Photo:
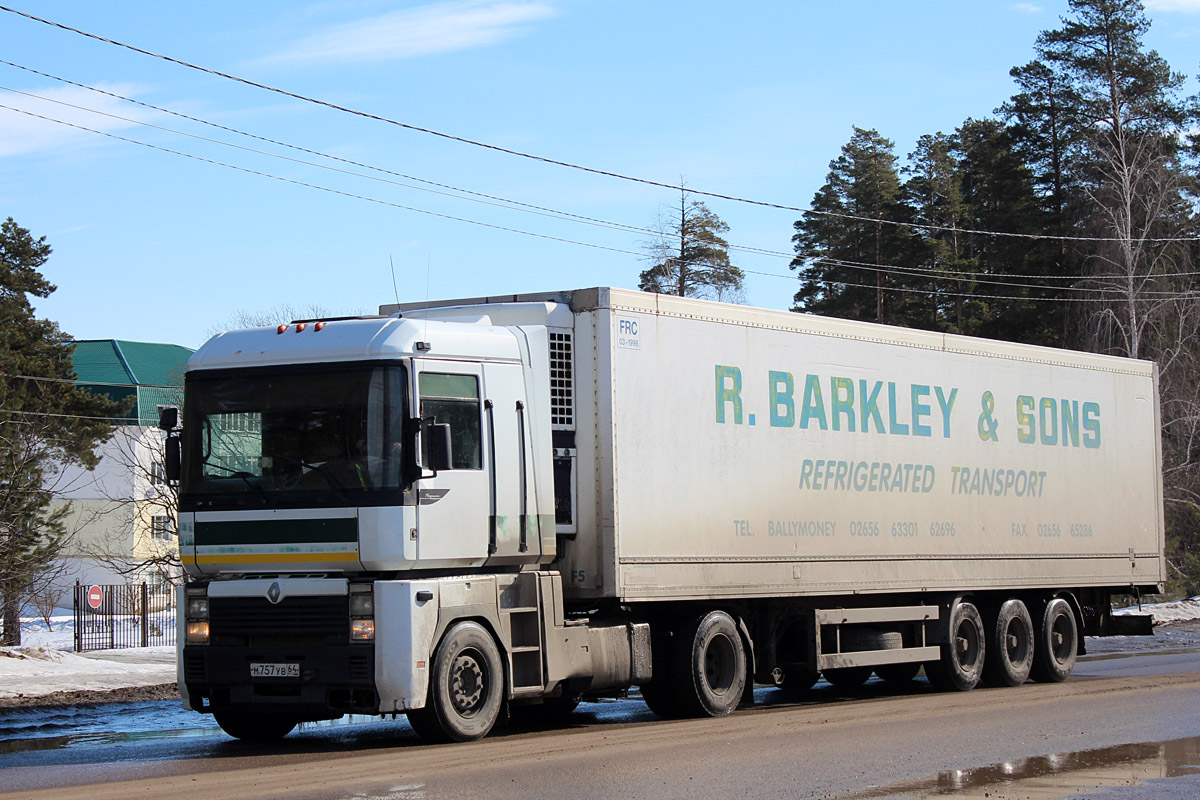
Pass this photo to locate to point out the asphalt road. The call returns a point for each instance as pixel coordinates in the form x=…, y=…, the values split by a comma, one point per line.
x=873, y=743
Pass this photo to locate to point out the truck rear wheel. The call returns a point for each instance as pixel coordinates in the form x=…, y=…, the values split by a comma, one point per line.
x=1010, y=645
x=798, y=680
x=257, y=728
x=466, y=687
x=898, y=674
x=961, y=665
x=848, y=677
x=708, y=666
x=1057, y=643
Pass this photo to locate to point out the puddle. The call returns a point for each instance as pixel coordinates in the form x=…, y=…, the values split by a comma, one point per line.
x=1065, y=775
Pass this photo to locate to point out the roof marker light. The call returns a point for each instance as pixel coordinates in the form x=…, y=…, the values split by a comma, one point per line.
x=318, y=326
x=301, y=327
x=281, y=329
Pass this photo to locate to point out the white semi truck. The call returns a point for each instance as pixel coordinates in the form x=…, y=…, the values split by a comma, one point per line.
x=456, y=509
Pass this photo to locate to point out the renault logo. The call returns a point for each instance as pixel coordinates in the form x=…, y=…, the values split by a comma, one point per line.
x=274, y=592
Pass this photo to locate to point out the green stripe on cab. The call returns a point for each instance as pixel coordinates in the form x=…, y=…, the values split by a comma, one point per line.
x=276, y=531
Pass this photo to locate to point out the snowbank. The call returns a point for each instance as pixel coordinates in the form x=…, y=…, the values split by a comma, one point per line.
x=34, y=671
x=45, y=664
x=1166, y=613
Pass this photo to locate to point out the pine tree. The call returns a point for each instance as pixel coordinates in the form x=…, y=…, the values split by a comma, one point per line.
x=1022, y=303
x=689, y=257
x=848, y=242
x=45, y=423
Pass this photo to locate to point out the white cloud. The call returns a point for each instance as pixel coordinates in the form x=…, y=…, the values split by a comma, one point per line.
x=1027, y=8
x=421, y=31
x=1186, y=6
x=21, y=133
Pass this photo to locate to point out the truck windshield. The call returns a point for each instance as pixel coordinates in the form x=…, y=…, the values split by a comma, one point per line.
x=327, y=436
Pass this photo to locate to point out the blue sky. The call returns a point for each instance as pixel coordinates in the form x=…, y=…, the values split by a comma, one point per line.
x=751, y=99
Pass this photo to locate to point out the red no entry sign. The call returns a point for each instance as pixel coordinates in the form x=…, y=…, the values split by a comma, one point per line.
x=95, y=596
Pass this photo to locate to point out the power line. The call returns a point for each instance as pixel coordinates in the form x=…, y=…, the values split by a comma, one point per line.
x=963, y=277
x=298, y=148
x=320, y=188
x=886, y=269
x=557, y=162
x=969, y=296
x=78, y=382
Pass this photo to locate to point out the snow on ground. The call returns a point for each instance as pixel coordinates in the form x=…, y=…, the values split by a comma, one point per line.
x=1166, y=613
x=45, y=663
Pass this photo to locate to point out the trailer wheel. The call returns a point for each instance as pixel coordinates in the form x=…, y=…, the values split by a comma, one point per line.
x=708, y=666
x=1057, y=643
x=898, y=674
x=961, y=665
x=848, y=677
x=259, y=728
x=466, y=687
x=1010, y=645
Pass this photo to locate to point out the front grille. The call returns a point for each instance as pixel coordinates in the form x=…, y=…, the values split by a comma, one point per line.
x=360, y=670
x=193, y=668
x=295, y=620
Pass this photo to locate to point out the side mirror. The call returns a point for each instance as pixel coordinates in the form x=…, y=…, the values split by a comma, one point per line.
x=168, y=418
x=172, y=459
x=440, y=451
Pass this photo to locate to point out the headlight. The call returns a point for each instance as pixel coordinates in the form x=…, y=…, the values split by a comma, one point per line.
x=362, y=605
x=197, y=608
x=362, y=630
x=197, y=633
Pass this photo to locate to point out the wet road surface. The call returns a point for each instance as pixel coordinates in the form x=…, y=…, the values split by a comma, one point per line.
x=1124, y=718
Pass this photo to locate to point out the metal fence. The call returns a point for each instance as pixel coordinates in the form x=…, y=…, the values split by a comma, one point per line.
x=123, y=615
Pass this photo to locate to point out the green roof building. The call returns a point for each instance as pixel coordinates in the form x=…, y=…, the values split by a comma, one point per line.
x=151, y=374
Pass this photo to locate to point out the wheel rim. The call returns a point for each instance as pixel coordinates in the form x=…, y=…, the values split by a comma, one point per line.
x=719, y=665
x=966, y=642
x=1062, y=643
x=1017, y=638
x=468, y=683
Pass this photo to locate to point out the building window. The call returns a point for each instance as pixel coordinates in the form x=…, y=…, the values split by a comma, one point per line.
x=161, y=527
x=158, y=474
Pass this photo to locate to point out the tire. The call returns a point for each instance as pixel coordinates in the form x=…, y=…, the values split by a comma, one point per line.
x=1010, y=647
x=657, y=693
x=259, y=728
x=466, y=687
x=797, y=681
x=550, y=712
x=424, y=724
x=708, y=666
x=848, y=677
x=1057, y=643
x=961, y=666
x=898, y=674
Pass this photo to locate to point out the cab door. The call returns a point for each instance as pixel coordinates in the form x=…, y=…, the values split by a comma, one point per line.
x=453, y=504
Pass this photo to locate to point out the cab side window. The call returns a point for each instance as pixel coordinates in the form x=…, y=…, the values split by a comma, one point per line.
x=453, y=400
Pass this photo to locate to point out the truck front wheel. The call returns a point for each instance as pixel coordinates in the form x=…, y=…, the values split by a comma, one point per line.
x=709, y=666
x=257, y=728
x=466, y=687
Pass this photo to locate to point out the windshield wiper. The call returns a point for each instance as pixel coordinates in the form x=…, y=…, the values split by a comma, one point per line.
x=245, y=476
x=320, y=469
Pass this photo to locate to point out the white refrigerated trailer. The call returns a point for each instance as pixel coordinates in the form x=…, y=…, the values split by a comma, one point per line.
x=462, y=507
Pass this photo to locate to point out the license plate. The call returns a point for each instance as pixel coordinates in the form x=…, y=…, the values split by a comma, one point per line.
x=274, y=670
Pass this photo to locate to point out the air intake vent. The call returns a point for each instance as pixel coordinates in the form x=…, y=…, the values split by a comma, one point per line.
x=562, y=382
